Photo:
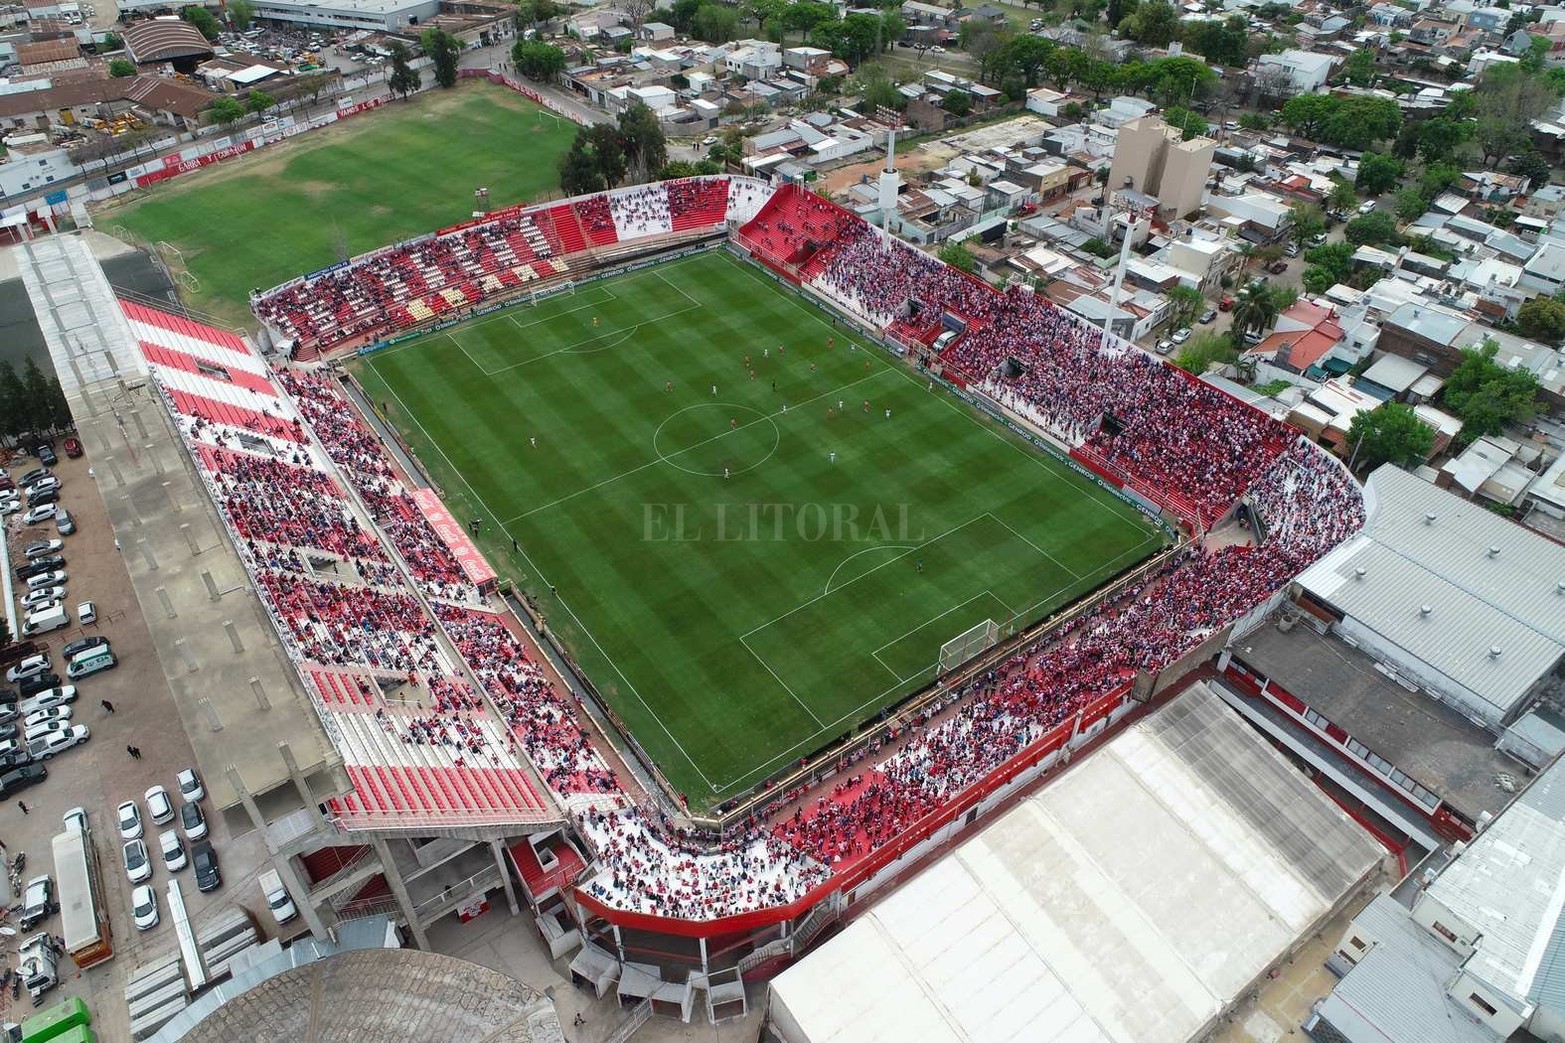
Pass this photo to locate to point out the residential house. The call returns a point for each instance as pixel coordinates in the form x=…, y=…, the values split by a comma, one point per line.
x=1255, y=217
x=1390, y=16
x=655, y=32
x=1307, y=71
x=1301, y=338
x=1486, y=19
x=754, y=59
x=1544, y=272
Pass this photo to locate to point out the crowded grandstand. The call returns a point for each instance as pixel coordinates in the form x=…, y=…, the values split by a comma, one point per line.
x=388, y=632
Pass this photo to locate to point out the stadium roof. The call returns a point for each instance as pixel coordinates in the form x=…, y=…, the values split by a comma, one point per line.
x=1487, y=582
x=1133, y=899
x=162, y=39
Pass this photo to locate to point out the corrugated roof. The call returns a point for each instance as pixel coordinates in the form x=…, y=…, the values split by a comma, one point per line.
x=1511, y=599
x=1509, y=885
x=1396, y=992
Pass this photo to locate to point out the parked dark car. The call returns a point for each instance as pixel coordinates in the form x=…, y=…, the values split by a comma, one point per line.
x=46, y=456
x=1277, y=267
x=47, y=496
x=81, y=645
x=208, y=876
x=39, y=566
x=18, y=779
x=14, y=759
x=34, y=685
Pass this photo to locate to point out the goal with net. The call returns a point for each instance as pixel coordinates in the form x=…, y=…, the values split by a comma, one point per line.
x=968, y=644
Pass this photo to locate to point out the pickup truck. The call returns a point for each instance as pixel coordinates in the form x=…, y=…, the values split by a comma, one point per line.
x=35, y=964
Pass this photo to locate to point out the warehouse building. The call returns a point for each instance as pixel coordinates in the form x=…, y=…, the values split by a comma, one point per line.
x=379, y=15
x=1447, y=596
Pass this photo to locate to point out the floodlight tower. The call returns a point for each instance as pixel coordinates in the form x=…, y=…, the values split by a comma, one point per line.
x=890, y=181
x=1135, y=213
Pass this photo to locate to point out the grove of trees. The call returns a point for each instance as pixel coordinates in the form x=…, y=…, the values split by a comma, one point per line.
x=605, y=155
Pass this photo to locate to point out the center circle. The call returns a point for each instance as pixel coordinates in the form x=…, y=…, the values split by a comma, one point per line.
x=716, y=439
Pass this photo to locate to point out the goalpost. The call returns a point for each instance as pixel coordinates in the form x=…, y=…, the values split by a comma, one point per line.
x=968, y=644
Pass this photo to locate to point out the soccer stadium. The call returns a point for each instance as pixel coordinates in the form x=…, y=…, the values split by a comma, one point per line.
x=710, y=556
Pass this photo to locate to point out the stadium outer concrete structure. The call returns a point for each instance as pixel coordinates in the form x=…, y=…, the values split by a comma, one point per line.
x=381, y=606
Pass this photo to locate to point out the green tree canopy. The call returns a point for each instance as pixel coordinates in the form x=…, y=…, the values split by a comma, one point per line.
x=1378, y=173
x=1184, y=305
x=404, y=79
x=957, y=102
x=537, y=60
x=958, y=257
x=1488, y=396
x=1255, y=308
x=259, y=101
x=1390, y=434
x=1191, y=124
x=120, y=67
x=642, y=141
x=1542, y=318
x=444, y=50
x=202, y=19
x=224, y=111
x=1198, y=353
x=240, y=14
x=716, y=23
x=1373, y=229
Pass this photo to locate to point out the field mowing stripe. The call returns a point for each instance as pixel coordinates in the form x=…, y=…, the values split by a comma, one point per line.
x=855, y=579
x=669, y=457
x=1034, y=546
x=539, y=573
x=784, y=684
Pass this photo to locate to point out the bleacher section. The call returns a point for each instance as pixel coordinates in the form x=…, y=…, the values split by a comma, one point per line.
x=459, y=268
x=434, y=754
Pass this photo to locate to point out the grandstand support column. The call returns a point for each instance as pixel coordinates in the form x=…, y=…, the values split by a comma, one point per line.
x=497, y=846
x=284, y=868
x=300, y=783
x=399, y=891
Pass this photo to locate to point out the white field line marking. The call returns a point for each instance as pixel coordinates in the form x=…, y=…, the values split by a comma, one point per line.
x=780, y=681
x=925, y=623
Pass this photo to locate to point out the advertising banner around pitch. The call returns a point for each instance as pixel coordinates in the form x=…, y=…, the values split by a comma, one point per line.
x=473, y=564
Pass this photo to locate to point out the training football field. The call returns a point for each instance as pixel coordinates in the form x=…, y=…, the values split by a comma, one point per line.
x=744, y=570
x=406, y=168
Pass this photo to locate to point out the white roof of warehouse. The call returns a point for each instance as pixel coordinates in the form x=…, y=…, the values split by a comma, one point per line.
x=1512, y=600
x=1130, y=900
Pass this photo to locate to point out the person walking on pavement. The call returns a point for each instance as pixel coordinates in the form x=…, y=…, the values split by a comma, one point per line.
x=23, y=806
x=134, y=751
x=108, y=707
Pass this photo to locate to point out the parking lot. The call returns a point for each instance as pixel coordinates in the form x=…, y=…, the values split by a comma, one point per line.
x=100, y=774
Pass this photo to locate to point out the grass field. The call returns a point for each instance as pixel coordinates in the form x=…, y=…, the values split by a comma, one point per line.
x=405, y=169
x=744, y=576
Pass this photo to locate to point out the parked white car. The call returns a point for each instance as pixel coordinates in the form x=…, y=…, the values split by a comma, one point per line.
x=144, y=906
x=130, y=820
x=137, y=865
x=159, y=806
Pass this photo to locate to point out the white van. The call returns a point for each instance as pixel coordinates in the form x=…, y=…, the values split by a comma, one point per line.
x=944, y=340
x=277, y=899
x=90, y=662
x=45, y=619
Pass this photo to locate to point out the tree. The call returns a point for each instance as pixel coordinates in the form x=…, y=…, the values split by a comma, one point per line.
x=1532, y=166
x=1154, y=24
x=240, y=14
x=1378, y=173
x=1507, y=100
x=17, y=411
x=1360, y=68
x=259, y=101
x=202, y=19
x=1333, y=263
x=716, y=23
x=957, y=102
x=1306, y=114
x=1439, y=138
x=1410, y=204
x=444, y=50
x=579, y=171
x=1255, y=121
x=1487, y=396
x=1373, y=229
x=404, y=79
x=1199, y=353
x=1437, y=178
x=956, y=255
x=1390, y=434
x=1184, y=305
x=875, y=86
x=1255, y=308
x=1192, y=124
x=1542, y=318
x=224, y=111
x=642, y=142
x=1308, y=222
x=1118, y=10
x=537, y=60
x=607, y=145
x=1341, y=196
x=1172, y=81
x=677, y=168
x=119, y=67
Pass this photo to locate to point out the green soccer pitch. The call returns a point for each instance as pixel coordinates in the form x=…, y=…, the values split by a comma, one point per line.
x=743, y=570
x=378, y=178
